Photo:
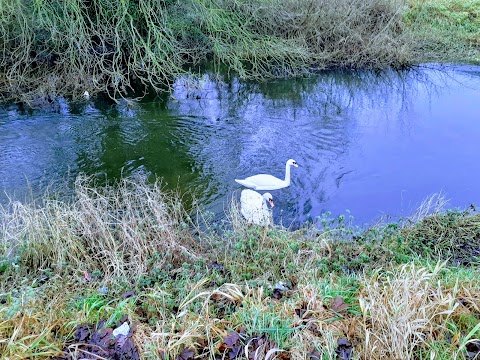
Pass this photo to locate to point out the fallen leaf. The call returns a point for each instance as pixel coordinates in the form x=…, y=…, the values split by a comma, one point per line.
x=473, y=349
x=128, y=350
x=314, y=355
x=277, y=294
x=339, y=304
x=127, y=295
x=187, y=354
x=314, y=329
x=103, y=337
x=216, y=296
x=216, y=266
x=344, y=349
x=303, y=312
x=300, y=312
x=236, y=350
x=82, y=333
x=231, y=339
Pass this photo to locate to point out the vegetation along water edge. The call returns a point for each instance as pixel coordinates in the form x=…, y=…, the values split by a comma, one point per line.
x=124, y=272
x=65, y=48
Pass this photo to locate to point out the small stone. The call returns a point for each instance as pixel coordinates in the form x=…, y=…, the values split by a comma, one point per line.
x=282, y=286
x=123, y=329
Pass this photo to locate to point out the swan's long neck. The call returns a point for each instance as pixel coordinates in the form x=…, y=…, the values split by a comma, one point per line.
x=287, y=174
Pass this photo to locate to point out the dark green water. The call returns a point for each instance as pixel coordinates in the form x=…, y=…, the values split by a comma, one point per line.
x=371, y=144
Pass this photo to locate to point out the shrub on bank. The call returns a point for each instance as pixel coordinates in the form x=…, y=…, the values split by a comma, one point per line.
x=52, y=48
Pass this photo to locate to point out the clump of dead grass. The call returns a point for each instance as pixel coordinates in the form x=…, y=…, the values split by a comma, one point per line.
x=402, y=310
x=285, y=37
x=65, y=47
x=120, y=230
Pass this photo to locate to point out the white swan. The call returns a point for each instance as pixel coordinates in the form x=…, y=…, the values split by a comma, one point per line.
x=268, y=182
x=254, y=209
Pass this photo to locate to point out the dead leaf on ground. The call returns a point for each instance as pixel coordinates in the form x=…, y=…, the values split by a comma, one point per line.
x=344, y=349
x=303, y=311
x=234, y=346
x=231, y=344
x=277, y=294
x=217, y=266
x=127, y=295
x=231, y=339
x=100, y=343
x=473, y=349
x=314, y=329
x=339, y=304
x=187, y=354
x=314, y=355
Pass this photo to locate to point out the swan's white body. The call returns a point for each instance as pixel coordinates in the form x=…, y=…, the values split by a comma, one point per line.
x=254, y=209
x=268, y=182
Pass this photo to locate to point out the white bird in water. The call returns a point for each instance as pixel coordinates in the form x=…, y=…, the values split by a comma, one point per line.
x=254, y=209
x=268, y=182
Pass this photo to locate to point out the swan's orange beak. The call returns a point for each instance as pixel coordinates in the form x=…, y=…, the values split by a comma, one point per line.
x=271, y=202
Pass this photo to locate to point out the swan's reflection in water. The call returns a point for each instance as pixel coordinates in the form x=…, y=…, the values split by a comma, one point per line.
x=370, y=143
x=254, y=208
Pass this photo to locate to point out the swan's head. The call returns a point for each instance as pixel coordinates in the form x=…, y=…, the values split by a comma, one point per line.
x=269, y=198
x=292, y=162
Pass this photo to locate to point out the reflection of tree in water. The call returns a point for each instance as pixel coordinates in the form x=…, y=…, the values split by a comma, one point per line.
x=103, y=139
x=210, y=132
x=39, y=150
x=237, y=129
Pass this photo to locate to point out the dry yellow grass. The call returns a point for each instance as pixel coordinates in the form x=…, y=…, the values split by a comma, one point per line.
x=120, y=230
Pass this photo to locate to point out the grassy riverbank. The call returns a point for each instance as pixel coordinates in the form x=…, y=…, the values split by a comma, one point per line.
x=69, y=47
x=72, y=271
x=445, y=30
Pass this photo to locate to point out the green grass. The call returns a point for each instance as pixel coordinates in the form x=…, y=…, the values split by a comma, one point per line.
x=446, y=30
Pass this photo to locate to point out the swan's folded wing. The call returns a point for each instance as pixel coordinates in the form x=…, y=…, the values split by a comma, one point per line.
x=245, y=183
x=262, y=180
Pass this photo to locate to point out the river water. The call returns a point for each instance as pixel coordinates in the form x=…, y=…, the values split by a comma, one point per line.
x=368, y=144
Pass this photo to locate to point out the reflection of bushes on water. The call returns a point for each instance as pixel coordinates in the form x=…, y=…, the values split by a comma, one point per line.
x=67, y=47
